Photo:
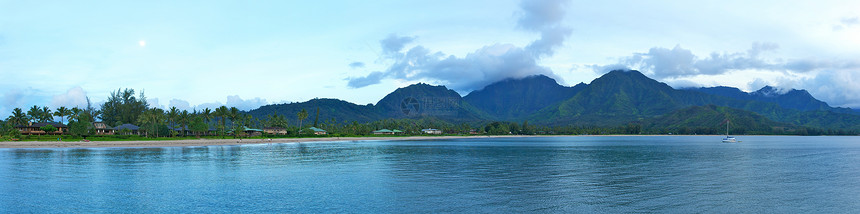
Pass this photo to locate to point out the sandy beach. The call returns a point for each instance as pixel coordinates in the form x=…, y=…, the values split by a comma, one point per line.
x=212, y=142
x=208, y=142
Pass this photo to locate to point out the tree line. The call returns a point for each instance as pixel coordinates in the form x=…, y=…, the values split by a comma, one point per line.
x=123, y=107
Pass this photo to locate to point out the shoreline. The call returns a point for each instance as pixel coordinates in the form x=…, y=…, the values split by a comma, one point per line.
x=216, y=142
x=222, y=142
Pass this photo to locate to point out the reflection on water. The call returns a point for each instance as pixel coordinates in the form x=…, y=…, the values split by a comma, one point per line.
x=564, y=174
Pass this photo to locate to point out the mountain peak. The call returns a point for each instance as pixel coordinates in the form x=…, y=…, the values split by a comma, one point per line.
x=628, y=78
x=537, y=78
x=768, y=91
x=793, y=98
x=514, y=98
x=627, y=74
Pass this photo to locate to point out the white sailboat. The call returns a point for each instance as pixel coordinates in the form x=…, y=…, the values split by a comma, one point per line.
x=729, y=139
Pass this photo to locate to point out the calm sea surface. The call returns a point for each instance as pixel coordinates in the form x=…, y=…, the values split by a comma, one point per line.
x=494, y=175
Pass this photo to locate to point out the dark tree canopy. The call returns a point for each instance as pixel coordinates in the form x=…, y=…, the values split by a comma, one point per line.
x=123, y=107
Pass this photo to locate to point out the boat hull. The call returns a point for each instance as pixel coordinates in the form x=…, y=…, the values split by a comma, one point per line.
x=730, y=140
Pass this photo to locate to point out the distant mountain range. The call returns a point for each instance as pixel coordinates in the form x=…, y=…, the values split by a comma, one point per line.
x=515, y=99
x=792, y=99
x=614, y=99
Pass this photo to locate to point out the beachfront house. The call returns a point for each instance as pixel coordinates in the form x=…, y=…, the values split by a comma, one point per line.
x=315, y=130
x=103, y=129
x=275, y=130
x=249, y=132
x=128, y=129
x=178, y=129
x=36, y=128
x=387, y=132
x=431, y=131
x=318, y=131
x=253, y=132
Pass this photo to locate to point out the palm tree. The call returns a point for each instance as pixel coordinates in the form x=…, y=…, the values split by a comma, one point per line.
x=234, y=116
x=184, y=119
x=222, y=113
x=75, y=113
x=302, y=115
x=46, y=115
x=152, y=118
x=247, y=120
x=95, y=114
x=62, y=112
x=34, y=113
x=18, y=117
x=206, y=114
x=171, y=117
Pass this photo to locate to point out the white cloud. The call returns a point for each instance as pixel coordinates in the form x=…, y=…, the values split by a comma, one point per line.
x=481, y=67
x=831, y=80
x=180, y=104
x=680, y=62
x=846, y=22
x=836, y=87
x=356, y=65
x=153, y=103
x=245, y=105
x=760, y=83
x=232, y=101
x=19, y=98
x=74, y=97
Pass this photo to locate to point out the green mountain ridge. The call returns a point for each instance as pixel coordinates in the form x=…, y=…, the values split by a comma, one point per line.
x=513, y=99
x=336, y=109
x=619, y=97
x=614, y=99
x=789, y=99
x=424, y=100
x=711, y=119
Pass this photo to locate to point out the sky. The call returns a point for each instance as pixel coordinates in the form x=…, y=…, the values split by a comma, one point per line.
x=199, y=54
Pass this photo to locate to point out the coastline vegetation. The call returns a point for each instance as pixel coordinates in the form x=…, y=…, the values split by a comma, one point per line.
x=123, y=107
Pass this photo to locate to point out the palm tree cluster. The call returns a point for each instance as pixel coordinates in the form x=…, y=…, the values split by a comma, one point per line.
x=124, y=107
x=38, y=114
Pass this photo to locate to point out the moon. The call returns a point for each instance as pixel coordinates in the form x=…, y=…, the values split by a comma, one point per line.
x=142, y=43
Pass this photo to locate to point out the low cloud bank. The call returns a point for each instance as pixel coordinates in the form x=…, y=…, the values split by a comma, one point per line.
x=481, y=67
x=832, y=80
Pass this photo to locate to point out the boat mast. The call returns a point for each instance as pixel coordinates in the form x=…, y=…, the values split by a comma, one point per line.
x=727, y=127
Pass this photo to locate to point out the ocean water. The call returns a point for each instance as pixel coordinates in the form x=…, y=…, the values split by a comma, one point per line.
x=762, y=174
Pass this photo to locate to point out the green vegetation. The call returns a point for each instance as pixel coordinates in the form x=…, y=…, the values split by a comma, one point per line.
x=701, y=120
x=48, y=128
x=620, y=102
x=123, y=107
x=514, y=99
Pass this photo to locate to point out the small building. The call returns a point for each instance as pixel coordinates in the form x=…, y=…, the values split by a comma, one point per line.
x=187, y=131
x=387, y=132
x=473, y=131
x=103, y=129
x=431, y=131
x=253, y=132
x=36, y=128
x=318, y=131
x=128, y=129
x=275, y=130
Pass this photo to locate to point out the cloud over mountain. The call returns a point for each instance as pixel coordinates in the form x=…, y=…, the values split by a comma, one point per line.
x=679, y=62
x=831, y=79
x=481, y=67
x=836, y=87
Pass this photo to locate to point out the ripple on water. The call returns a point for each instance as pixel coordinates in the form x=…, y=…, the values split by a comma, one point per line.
x=553, y=174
